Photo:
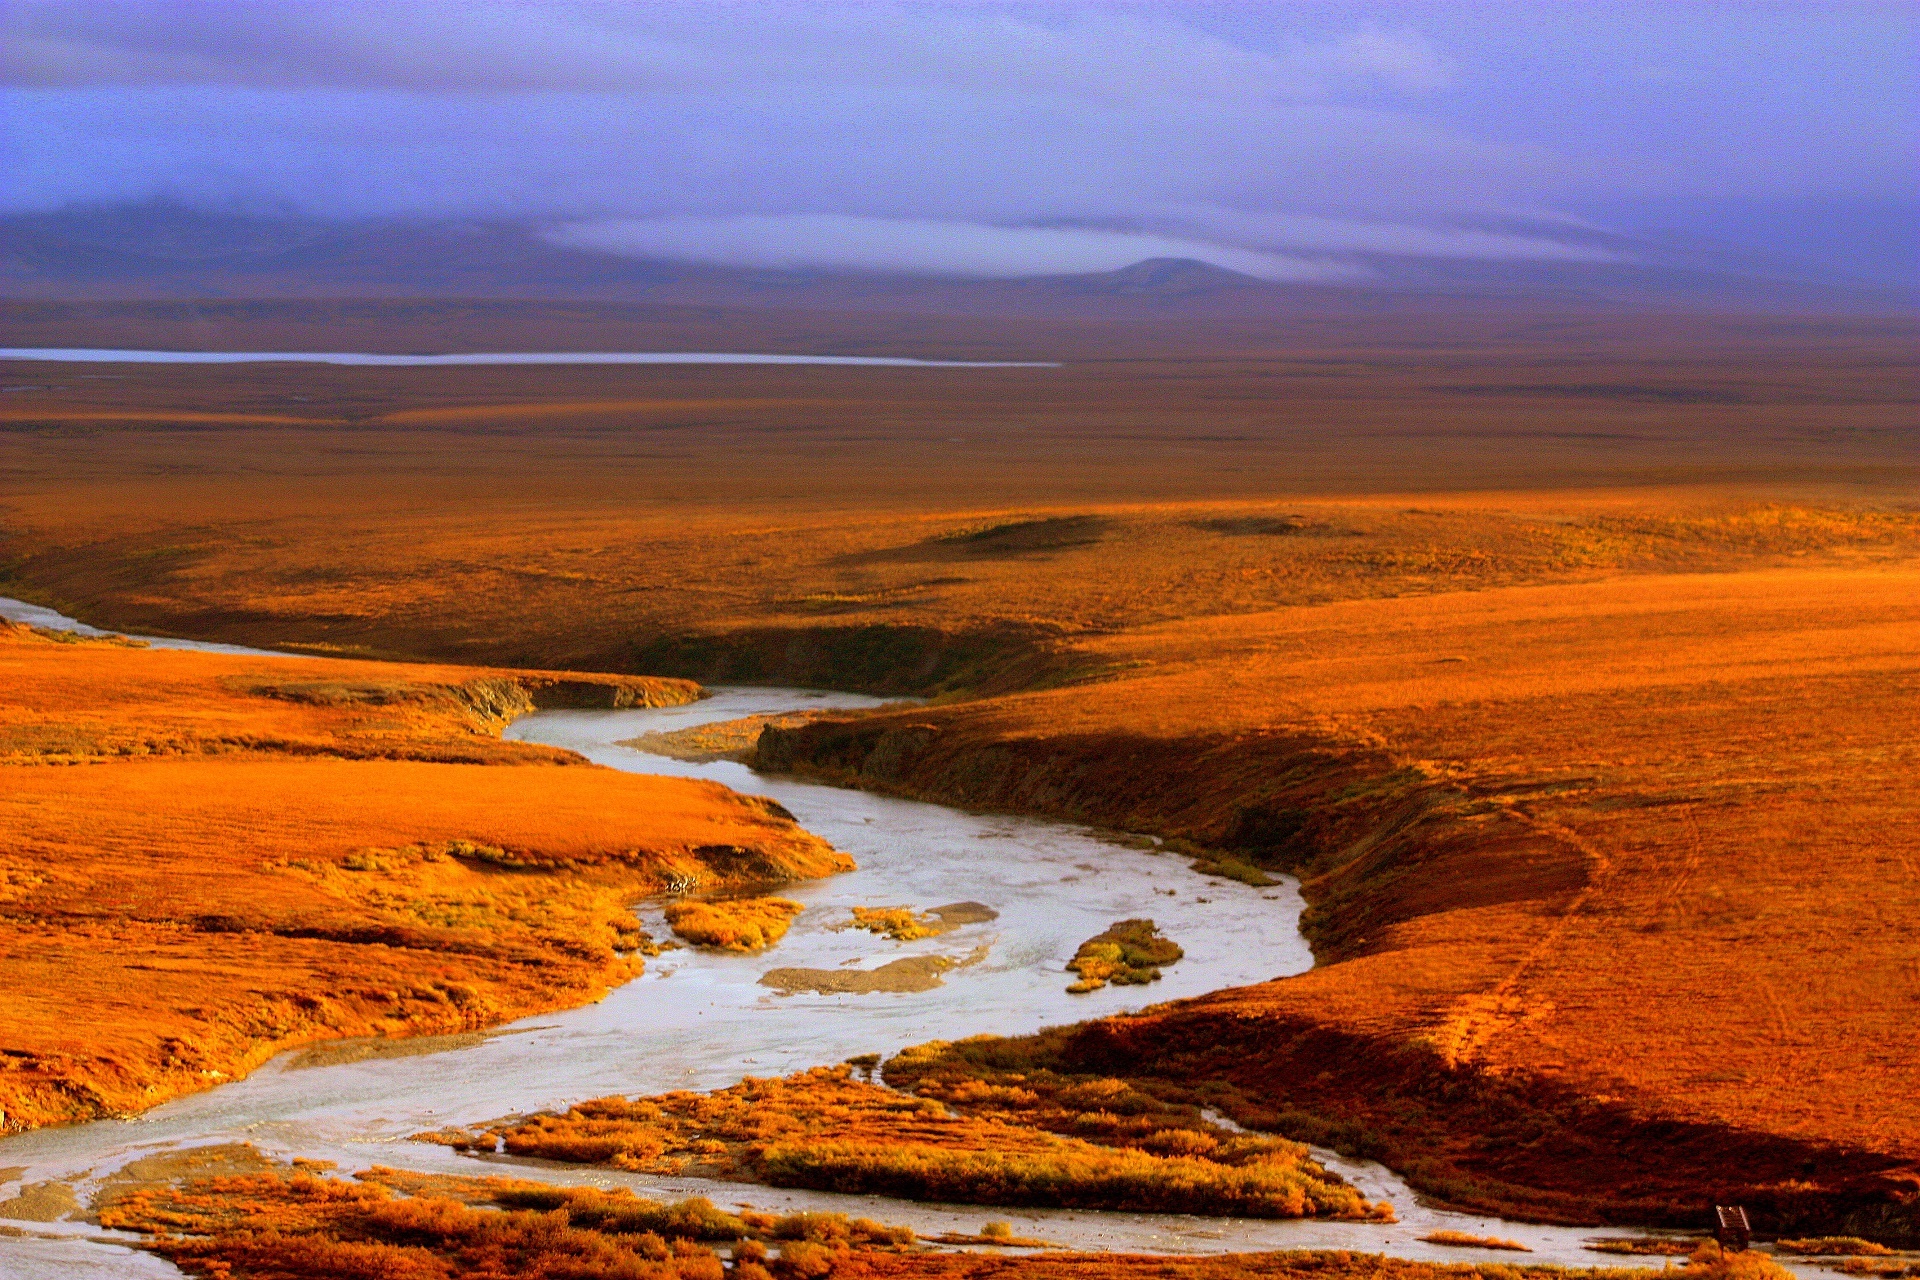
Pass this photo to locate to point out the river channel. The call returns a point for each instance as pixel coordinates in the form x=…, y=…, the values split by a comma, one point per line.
x=112, y=355
x=701, y=1020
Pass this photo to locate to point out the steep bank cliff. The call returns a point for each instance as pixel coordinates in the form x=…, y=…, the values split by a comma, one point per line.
x=1549, y=896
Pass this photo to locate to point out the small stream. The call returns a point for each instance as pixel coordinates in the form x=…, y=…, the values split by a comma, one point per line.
x=700, y=1020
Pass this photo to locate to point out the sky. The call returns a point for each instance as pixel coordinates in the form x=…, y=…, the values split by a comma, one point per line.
x=986, y=139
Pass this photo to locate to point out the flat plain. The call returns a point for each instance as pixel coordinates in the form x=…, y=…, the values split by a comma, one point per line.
x=1571, y=661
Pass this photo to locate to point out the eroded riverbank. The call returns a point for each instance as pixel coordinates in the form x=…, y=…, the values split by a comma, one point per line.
x=703, y=1020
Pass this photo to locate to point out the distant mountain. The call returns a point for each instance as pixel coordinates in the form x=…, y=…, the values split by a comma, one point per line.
x=163, y=251
x=1162, y=278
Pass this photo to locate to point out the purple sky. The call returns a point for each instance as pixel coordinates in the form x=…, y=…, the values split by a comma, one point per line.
x=997, y=139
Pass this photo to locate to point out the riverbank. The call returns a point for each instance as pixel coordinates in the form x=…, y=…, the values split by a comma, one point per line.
x=263, y=1218
x=1549, y=650
x=700, y=1020
x=1538, y=829
x=207, y=859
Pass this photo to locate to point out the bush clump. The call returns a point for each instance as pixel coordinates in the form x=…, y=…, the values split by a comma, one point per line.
x=1833, y=1246
x=1464, y=1240
x=1129, y=953
x=733, y=924
x=1645, y=1246
x=898, y=923
x=1711, y=1262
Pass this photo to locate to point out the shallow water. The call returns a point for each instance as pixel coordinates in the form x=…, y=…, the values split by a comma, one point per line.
x=701, y=1020
x=35, y=615
x=111, y=355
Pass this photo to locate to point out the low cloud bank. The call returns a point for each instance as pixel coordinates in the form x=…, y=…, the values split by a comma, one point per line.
x=1265, y=246
x=921, y=247
x=1306, y=234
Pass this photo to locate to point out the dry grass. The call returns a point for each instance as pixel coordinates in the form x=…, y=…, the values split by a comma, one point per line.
x=1571, y=661
x=1882, y=1269
x=1645, y=1246
x=262, y=1219
x=1252, y=1266
x=270, y=1220
x=898, y=923
x=1574, y=888
x=1217, y=473
x=226, y=857
x=995, y=1235
x=733, y=924
x=1466, y=1240
x=74, y=702
x=1833, y=1246
x=1096, y=1145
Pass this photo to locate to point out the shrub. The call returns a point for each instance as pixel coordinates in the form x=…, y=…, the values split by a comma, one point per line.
x=804, y=1260
x=733, y=924
x=1711, y=1262
x=898, y=923
x=1461, y=1239
x=1129, y=953
x=1834, y=1246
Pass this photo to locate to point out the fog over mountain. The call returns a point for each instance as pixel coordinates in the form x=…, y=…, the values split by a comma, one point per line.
x=1659, y=151
x=167, y=251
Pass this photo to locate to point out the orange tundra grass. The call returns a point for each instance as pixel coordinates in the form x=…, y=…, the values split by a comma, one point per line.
x=733, y=924
x=262, y=1218
x=1570, y=659
x=1611, y=884
x=1097, y=1144
x=207, y=859
x=401, y=1226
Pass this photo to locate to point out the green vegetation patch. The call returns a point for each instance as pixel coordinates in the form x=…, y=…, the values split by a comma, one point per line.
x=1129, y=953
x=1014, y=537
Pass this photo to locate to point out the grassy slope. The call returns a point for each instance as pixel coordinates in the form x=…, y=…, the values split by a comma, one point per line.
x=1628, y=887
x=207, y=859
x=1580, y=842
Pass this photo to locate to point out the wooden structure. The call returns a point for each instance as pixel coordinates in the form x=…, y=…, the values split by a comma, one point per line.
x=1730, y=1227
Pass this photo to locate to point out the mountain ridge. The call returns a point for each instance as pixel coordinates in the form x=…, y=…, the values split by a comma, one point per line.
x=165, y=251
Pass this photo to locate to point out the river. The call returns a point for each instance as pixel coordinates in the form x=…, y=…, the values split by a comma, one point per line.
x=116, y=355
x=701, y=1020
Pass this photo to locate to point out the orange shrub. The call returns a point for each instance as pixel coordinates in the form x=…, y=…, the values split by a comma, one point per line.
x=733, y=924
x=1467, y=1240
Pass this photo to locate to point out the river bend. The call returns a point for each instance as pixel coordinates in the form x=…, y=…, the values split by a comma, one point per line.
x=700, y=1020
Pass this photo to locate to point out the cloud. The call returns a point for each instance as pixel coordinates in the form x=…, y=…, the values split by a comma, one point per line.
x=1088, y=53
x=1306, y=233
x=918, y=247
x=788, y=150
x=1403, y=58
x=568, y=110
x=1294, y=132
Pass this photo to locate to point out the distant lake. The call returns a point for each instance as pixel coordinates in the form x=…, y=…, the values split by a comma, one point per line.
x=108, y=355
